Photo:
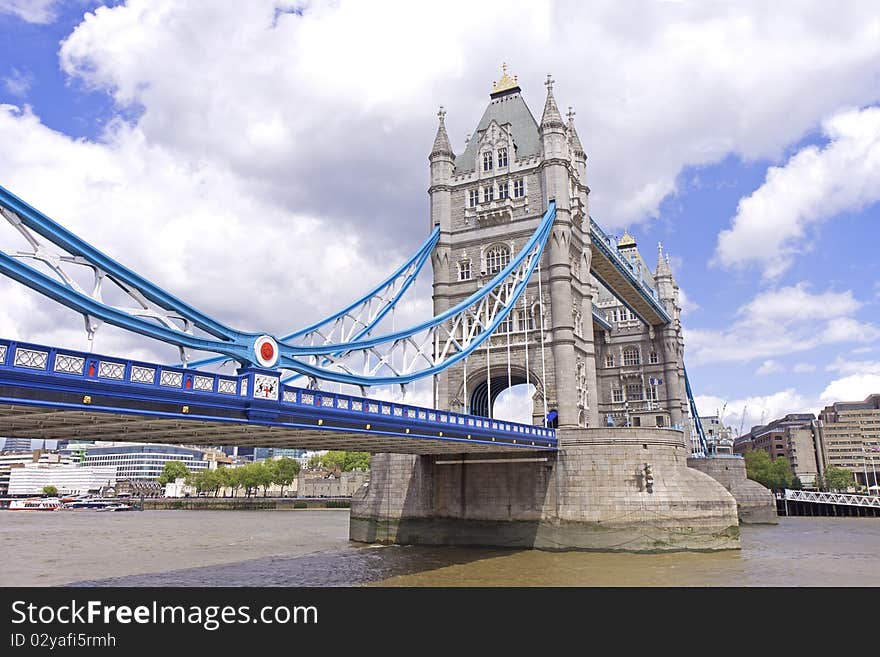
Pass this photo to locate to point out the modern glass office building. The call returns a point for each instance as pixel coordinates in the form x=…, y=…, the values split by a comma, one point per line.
x=139, y=461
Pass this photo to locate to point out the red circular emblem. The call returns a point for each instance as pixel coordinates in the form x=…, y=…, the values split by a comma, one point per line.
x=267, y=351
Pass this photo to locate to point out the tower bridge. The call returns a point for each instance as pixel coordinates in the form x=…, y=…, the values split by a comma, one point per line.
x=527, y=289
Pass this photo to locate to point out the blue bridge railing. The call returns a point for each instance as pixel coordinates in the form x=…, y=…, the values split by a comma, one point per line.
x=105, y=383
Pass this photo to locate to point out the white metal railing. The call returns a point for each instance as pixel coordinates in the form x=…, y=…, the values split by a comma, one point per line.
x=871, y=501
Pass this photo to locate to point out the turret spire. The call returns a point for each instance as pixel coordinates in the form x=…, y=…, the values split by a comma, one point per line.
x=663, y=268
x=551, y=116
x=441, y=141
x=576, y=145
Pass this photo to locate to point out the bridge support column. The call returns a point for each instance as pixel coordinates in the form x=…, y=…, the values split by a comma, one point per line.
x=755, y=503
x=595, y=494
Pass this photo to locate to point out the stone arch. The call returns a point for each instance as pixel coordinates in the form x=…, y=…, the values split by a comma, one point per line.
x=479, y=400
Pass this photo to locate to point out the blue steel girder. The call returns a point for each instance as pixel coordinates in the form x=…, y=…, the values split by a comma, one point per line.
x=55, y=393
x=426, y=349
x=615, y=273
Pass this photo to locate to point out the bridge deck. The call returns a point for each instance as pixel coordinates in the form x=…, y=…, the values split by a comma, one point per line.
x=618, y=275
x=54, y=394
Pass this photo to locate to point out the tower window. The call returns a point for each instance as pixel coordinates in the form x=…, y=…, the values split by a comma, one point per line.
x=503, y=188
x=519, y=189
x=502, y=157
x=464, y=270
x=487, y=161
x=634, y=392
x=653, y=358
x=631, y=356
x=617, y=395
x=488, y=194
x=609, y=360
x=506, y=325
x=497, y=258
x=473, y=197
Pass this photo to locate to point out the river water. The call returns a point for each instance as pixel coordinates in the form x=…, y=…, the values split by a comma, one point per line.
x=311, y=548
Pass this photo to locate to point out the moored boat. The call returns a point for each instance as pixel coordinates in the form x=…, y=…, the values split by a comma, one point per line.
x=35, y=504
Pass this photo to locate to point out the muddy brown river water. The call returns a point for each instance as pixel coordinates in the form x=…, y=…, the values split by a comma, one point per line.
x=311, y=548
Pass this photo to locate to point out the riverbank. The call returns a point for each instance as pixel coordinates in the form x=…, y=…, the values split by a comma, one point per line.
x=243, y=503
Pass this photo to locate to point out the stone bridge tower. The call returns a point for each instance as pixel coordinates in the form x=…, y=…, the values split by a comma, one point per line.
x=488, y=201
x=622, y=488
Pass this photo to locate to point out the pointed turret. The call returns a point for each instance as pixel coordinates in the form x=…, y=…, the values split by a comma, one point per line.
x=663, y=269
x=551, y=118
x=576, y=146
x=441, y=141
x=442, y=161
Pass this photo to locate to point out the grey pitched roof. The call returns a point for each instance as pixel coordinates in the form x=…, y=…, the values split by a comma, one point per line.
x=512, y=109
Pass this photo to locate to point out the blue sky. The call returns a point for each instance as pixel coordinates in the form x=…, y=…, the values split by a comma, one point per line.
x=145, y=126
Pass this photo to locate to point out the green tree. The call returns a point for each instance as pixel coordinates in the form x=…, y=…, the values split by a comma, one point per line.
x=758, y=466
x=286, y=470
x=223, y=480
x=50, y=491
x=796, y=484
x=266, y=474
x=837, y=478
x=772, y=474
x=173, y=471
x=345, y=461
x=781, y=475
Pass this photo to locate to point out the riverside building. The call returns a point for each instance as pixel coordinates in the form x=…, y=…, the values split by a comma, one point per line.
x=139, y=461
x=850, y=433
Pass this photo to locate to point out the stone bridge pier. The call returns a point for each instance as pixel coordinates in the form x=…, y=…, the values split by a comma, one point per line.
x=606, y=489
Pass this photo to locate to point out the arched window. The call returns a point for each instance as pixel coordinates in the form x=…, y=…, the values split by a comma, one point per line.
x=487, y=161
x=609, y=360
x=497, y=258
x=631, y=356
x=502, y=157
x=464, y=270
x=653, y=358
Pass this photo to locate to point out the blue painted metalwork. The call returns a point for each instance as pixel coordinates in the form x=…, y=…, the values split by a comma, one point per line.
x=233, y=343
x=146, y=389
x=599, y=319
x=239, y=345
x=416, y=262
x=697, y=423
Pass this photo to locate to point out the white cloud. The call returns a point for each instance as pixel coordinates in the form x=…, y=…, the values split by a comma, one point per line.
x=688, y=305
x=782, y=321
x=18, y=83
x=364, y=79
x=803, y=368
x=815, y=185
x=197, y=231
x=31, y=11
x=769, y=367
x=851, y=388
x=750, y=411
x=861, y=367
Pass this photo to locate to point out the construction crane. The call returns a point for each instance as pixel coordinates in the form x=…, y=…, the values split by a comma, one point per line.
x=743, y=420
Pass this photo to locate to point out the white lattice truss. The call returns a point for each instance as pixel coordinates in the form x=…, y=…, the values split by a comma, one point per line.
x=436, y=344
x=358, y=320
x=871, y=501
x=61, y=263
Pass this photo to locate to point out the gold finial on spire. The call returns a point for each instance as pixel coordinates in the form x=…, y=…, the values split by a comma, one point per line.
x=626, y=240
x=506, y=82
